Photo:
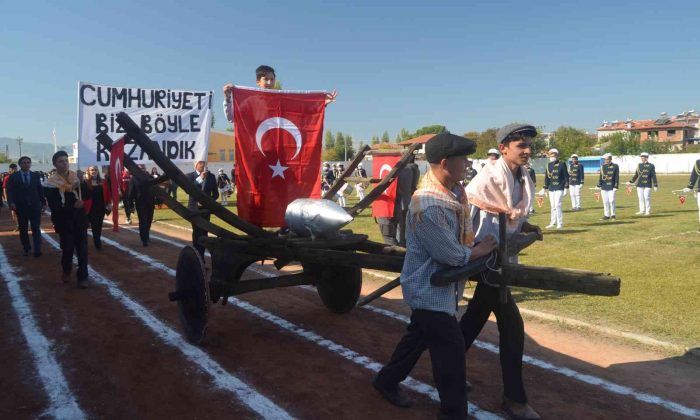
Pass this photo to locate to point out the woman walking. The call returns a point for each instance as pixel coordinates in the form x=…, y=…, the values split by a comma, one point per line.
x=99, y=195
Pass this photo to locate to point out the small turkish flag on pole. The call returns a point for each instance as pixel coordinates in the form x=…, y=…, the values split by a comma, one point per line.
x=597, y=196
x=279, y=136
x=116, y=164
x=681, y=198
x=540, y=201
x=383, y=206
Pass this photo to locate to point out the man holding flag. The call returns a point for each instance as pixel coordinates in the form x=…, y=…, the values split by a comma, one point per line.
x=278, y=146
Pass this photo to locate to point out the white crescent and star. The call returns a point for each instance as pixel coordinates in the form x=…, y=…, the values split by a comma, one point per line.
x=385, y=168
x=283, y=124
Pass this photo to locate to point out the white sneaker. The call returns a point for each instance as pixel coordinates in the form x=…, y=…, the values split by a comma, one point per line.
x=128, y=221
x=640, y=212
x=647, y=213
x=559, y=227
x=549, y=226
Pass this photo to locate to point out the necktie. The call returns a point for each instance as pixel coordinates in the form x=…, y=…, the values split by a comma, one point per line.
x=26, y=180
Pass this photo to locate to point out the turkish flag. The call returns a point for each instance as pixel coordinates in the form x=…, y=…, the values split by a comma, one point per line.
x=681, y=198
x=279, y=137
x=540, y=201
x=116, y=165
x=383, y=206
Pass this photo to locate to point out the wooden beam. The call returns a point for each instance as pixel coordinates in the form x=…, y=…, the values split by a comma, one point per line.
x=384, y=184
x=173, y=204
x=170, y=169
x=341, y=179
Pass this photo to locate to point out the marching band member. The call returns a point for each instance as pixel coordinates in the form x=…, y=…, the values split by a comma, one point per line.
x=575, y=182
x=556, y=181
x=608, y=183
x=645, y=177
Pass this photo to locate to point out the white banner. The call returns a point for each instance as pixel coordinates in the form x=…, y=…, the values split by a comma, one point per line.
x=177, y=120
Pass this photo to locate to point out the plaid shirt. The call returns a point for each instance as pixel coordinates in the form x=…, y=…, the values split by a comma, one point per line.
x=432, y=244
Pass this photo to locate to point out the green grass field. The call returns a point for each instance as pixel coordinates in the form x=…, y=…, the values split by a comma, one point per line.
x=657, y=257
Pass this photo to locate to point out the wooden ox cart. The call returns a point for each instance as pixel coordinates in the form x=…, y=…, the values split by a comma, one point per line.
x=333, y=265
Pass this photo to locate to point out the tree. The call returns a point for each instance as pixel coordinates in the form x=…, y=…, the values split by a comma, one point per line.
x=375, y=140
x=4, y=159
x=403, y=135
x=385, y=137
x=213, y=119
x=485, y=141
x=570, y=140
x=430, y=129
x=623, y=143
x=328, y=140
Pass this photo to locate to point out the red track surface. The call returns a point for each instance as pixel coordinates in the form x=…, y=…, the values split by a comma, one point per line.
x=117, y=367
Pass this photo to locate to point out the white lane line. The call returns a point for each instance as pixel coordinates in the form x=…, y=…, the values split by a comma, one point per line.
x=224, y=380
x=589, y=379
x=62, y=403
x=343, y=351
x=570, y=373
x=585, y=378
x=351, y=355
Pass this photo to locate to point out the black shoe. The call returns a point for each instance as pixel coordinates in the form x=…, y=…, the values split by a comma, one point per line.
x=145, y=243
x=396, y=397
x=98, y=246
x=612, y=217
x=37, y=254
x=605, y=218
x=25, y=252
x=82, y=284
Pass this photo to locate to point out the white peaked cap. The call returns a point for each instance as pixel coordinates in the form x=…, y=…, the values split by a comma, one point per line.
x=553, y=150
x=492, y=152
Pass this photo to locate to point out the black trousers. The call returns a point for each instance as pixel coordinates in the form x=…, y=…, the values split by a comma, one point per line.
x=96, y=221
x=511, y=333
x=74, y=240
x=440, y=334
x=128, y=205
x=388, y=226
x=25, y=217
x=197, y=232
x=144, y=210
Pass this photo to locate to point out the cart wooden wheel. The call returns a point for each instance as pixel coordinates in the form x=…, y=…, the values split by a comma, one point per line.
x=338, y=287
x=191, y=294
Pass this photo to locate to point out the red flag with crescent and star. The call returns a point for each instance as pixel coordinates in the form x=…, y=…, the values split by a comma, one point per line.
x=116, y=165
x=383, y=206
x=279, y=139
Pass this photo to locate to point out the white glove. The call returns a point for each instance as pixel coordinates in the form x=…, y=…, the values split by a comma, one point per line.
x=686, y=190
x=628, y=183
x=656, y=189
x=566, y=191
x=541, y=192
x=614, y=189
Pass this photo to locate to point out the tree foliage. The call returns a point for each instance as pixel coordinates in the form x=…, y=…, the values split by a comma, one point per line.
x=570, y=140
x=623, y=143
x=430, y=129
x=385, y=137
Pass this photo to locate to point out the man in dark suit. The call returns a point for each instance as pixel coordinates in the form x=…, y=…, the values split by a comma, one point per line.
x=25, y=196
x=206, y=181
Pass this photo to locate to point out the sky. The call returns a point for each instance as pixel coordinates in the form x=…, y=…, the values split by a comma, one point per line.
x=467, y=65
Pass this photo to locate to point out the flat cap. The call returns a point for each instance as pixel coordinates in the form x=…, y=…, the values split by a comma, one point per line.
x=446, y=145
x=524, y=129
